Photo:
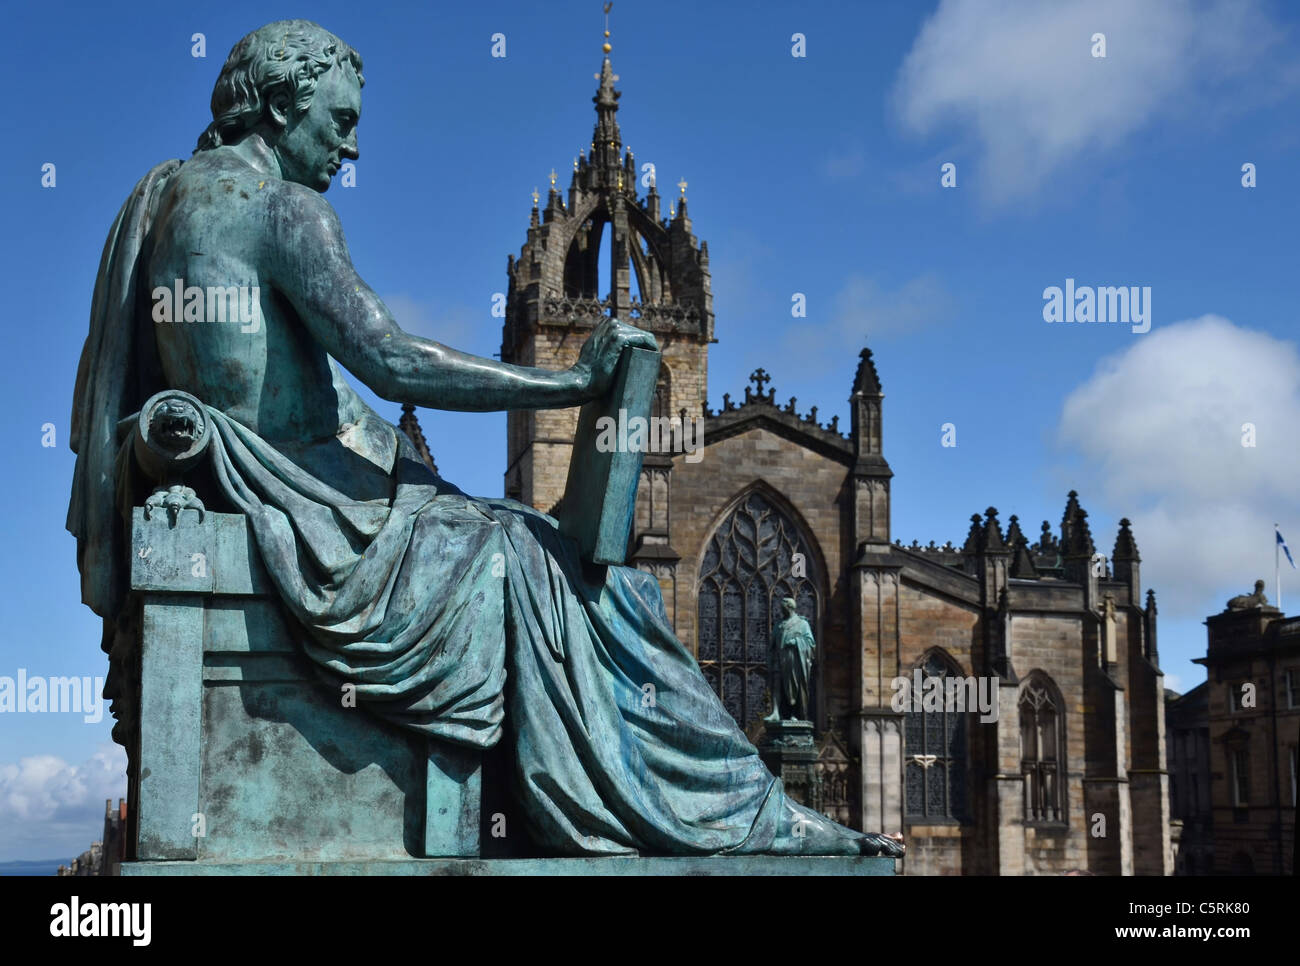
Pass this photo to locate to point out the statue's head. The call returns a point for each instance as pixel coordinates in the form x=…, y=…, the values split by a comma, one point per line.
x=789, y=606
x=1259, y=586
x=299, y=87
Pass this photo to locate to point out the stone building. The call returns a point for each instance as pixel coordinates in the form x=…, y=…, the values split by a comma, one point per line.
x=1251, y=717
x=1068, y=774
x=1188, y=753
x=105, y=856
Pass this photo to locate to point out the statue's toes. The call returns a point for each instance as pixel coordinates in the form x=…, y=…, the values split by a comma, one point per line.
x=888, y=846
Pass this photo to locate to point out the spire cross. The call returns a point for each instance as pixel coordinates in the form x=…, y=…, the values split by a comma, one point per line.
x=759, y=377
x=553, y=177
x=682, y=184
x=535, y=197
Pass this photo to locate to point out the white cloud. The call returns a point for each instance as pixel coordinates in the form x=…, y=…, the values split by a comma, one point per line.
x=53, y=809
x=1157, y=433
x=1019, y=75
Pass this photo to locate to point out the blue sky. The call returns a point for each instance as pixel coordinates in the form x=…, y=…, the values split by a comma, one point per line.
x=816, y=174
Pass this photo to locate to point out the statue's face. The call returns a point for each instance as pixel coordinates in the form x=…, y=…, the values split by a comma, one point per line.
x=314, y=144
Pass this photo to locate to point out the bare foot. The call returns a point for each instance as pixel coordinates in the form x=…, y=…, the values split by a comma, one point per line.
x=889, y=846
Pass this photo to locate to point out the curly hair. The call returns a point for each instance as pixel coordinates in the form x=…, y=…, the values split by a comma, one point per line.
x=287, y=54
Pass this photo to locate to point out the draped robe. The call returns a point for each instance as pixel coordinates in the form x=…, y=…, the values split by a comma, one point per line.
x=429, y=601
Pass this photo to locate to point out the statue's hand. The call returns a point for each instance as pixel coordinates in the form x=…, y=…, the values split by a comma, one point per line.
x=600, y=353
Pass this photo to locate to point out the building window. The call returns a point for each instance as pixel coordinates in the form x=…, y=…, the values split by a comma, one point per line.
x=1293, y=773
x=1041, y=750
x=935, y=754
x=747, y=569
x=1293, y=688
x=1239, y=762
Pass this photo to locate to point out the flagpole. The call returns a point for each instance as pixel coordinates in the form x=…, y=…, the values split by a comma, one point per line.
x=1277, y=567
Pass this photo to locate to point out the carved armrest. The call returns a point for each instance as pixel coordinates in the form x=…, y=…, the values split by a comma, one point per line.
x=170, y=436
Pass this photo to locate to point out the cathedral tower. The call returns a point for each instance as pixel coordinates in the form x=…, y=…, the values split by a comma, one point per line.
x=656, y=277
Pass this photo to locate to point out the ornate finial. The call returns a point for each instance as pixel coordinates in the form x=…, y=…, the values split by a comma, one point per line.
x=759, y=377
x=575, y=165
x=535, y=197
x=410, y=424
x=672, y=210
x=605, y=46
x=553, y=177
x=682, y=184
x=866, y=380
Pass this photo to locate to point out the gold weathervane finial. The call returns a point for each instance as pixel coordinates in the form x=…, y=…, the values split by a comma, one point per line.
x=535, y=197
x=605, y=46
x=553, y=177
x=682, y=184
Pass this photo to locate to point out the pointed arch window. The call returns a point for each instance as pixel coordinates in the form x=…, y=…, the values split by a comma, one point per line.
x=748, y=567
x=935, y=750
x=1042, y=750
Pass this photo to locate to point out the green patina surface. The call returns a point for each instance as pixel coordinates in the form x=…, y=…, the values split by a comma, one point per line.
x=321, y=651
x=747, y=865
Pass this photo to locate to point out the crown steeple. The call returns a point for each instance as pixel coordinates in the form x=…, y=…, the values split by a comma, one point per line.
x=601, y=249
x=606, y=141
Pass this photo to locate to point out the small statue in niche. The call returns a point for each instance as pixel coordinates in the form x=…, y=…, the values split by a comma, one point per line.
x=790, y=666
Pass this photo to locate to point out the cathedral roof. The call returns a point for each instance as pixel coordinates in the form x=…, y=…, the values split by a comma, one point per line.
x=760, y=410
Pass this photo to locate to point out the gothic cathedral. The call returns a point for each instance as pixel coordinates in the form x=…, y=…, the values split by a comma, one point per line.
x=1066, y=773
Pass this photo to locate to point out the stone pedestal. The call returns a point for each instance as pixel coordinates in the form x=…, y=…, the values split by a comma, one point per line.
x=789, y=750
x=243, y=755
x=728, y=865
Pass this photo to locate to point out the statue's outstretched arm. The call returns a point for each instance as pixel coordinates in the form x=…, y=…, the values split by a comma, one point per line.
x=312, y=268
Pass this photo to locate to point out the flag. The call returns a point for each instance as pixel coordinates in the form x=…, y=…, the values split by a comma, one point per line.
x=1285, y=549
